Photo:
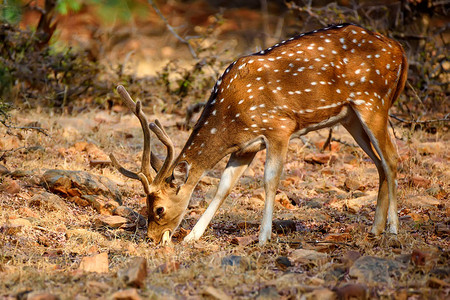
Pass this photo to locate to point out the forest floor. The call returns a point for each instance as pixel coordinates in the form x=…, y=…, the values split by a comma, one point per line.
x=319, y=249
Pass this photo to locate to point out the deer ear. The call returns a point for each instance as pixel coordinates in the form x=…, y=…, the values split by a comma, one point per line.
x=180, y=174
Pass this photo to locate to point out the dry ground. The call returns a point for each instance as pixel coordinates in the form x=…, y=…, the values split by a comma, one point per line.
x=331, y=204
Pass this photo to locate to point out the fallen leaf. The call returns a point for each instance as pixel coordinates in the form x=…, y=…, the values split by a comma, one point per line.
x=245, y=240
x=418, y=257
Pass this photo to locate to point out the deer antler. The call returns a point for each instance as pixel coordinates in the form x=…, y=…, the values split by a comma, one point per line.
x=162, y=135
x=148, y=158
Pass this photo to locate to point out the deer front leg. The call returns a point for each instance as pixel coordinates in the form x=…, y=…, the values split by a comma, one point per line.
x=275, y=155
x=234, y=169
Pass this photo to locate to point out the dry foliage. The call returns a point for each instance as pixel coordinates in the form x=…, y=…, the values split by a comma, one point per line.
x=325, y=203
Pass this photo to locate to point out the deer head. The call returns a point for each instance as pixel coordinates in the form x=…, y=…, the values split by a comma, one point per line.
x=160, y=181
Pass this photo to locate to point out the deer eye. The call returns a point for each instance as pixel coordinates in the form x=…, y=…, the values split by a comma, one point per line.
x=159, y=211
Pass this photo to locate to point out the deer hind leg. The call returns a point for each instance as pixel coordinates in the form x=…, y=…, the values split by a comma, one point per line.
x=275, y=156
x=234, y=169
x=385, y=161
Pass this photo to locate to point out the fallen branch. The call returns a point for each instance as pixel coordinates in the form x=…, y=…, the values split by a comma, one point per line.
x=445, y=119
x=38, y=129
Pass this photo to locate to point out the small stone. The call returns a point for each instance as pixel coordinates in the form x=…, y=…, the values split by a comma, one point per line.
x=284, y=226
x=322, y=294
x=373, y=270
x=232, y=260
x=96, y=287
x=10, y=186
x=350, y=257
x=352, y=184
x=419, y=181
x=78, y=183
x=131, y=215
x=308, y=256
x=128, y=294
x=283, y=263
x=423, y=201
x=111, y=221
x=282, y=199
x=49, y=201
x=41, y=296
x=20, y=222
x=97, y=263
x=135, y=273
x=352, y=291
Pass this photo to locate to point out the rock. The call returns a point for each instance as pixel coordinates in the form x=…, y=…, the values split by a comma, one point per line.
x=352, y=291
x=321, y=294
x=128, y=294
x=354, y=205
x=39, y=295
x=308, y=256
x=20, y=222
x=374, y=270
x=135, y=273
x=96, y=287
x=422, y=201
x=97, y=263
x=283, y=263
x=3, y=170
x=111, y=221
x=10, y=186
x=245, y=240
x=352, y=184
x=282, y=199
x=232, y=260
x=268, y=292
x=131, y=215
x=284, y=226
x=101, y=204
x=21, y=173
x=48, y=201
x=350, y=257
x=78, y=183
x=419, y=181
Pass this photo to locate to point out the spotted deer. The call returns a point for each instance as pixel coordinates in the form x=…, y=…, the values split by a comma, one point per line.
x=343, y=74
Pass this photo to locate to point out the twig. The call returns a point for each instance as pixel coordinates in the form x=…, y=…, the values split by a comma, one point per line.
x=329, y=242
x=172, y=30
x=38, y=129
x=415, y=93
x=445, y=119
x=343, y=142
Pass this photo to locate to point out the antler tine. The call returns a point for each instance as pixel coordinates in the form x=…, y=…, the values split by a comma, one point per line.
x=121, y=169
x=136, y=109
x=162, y=135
